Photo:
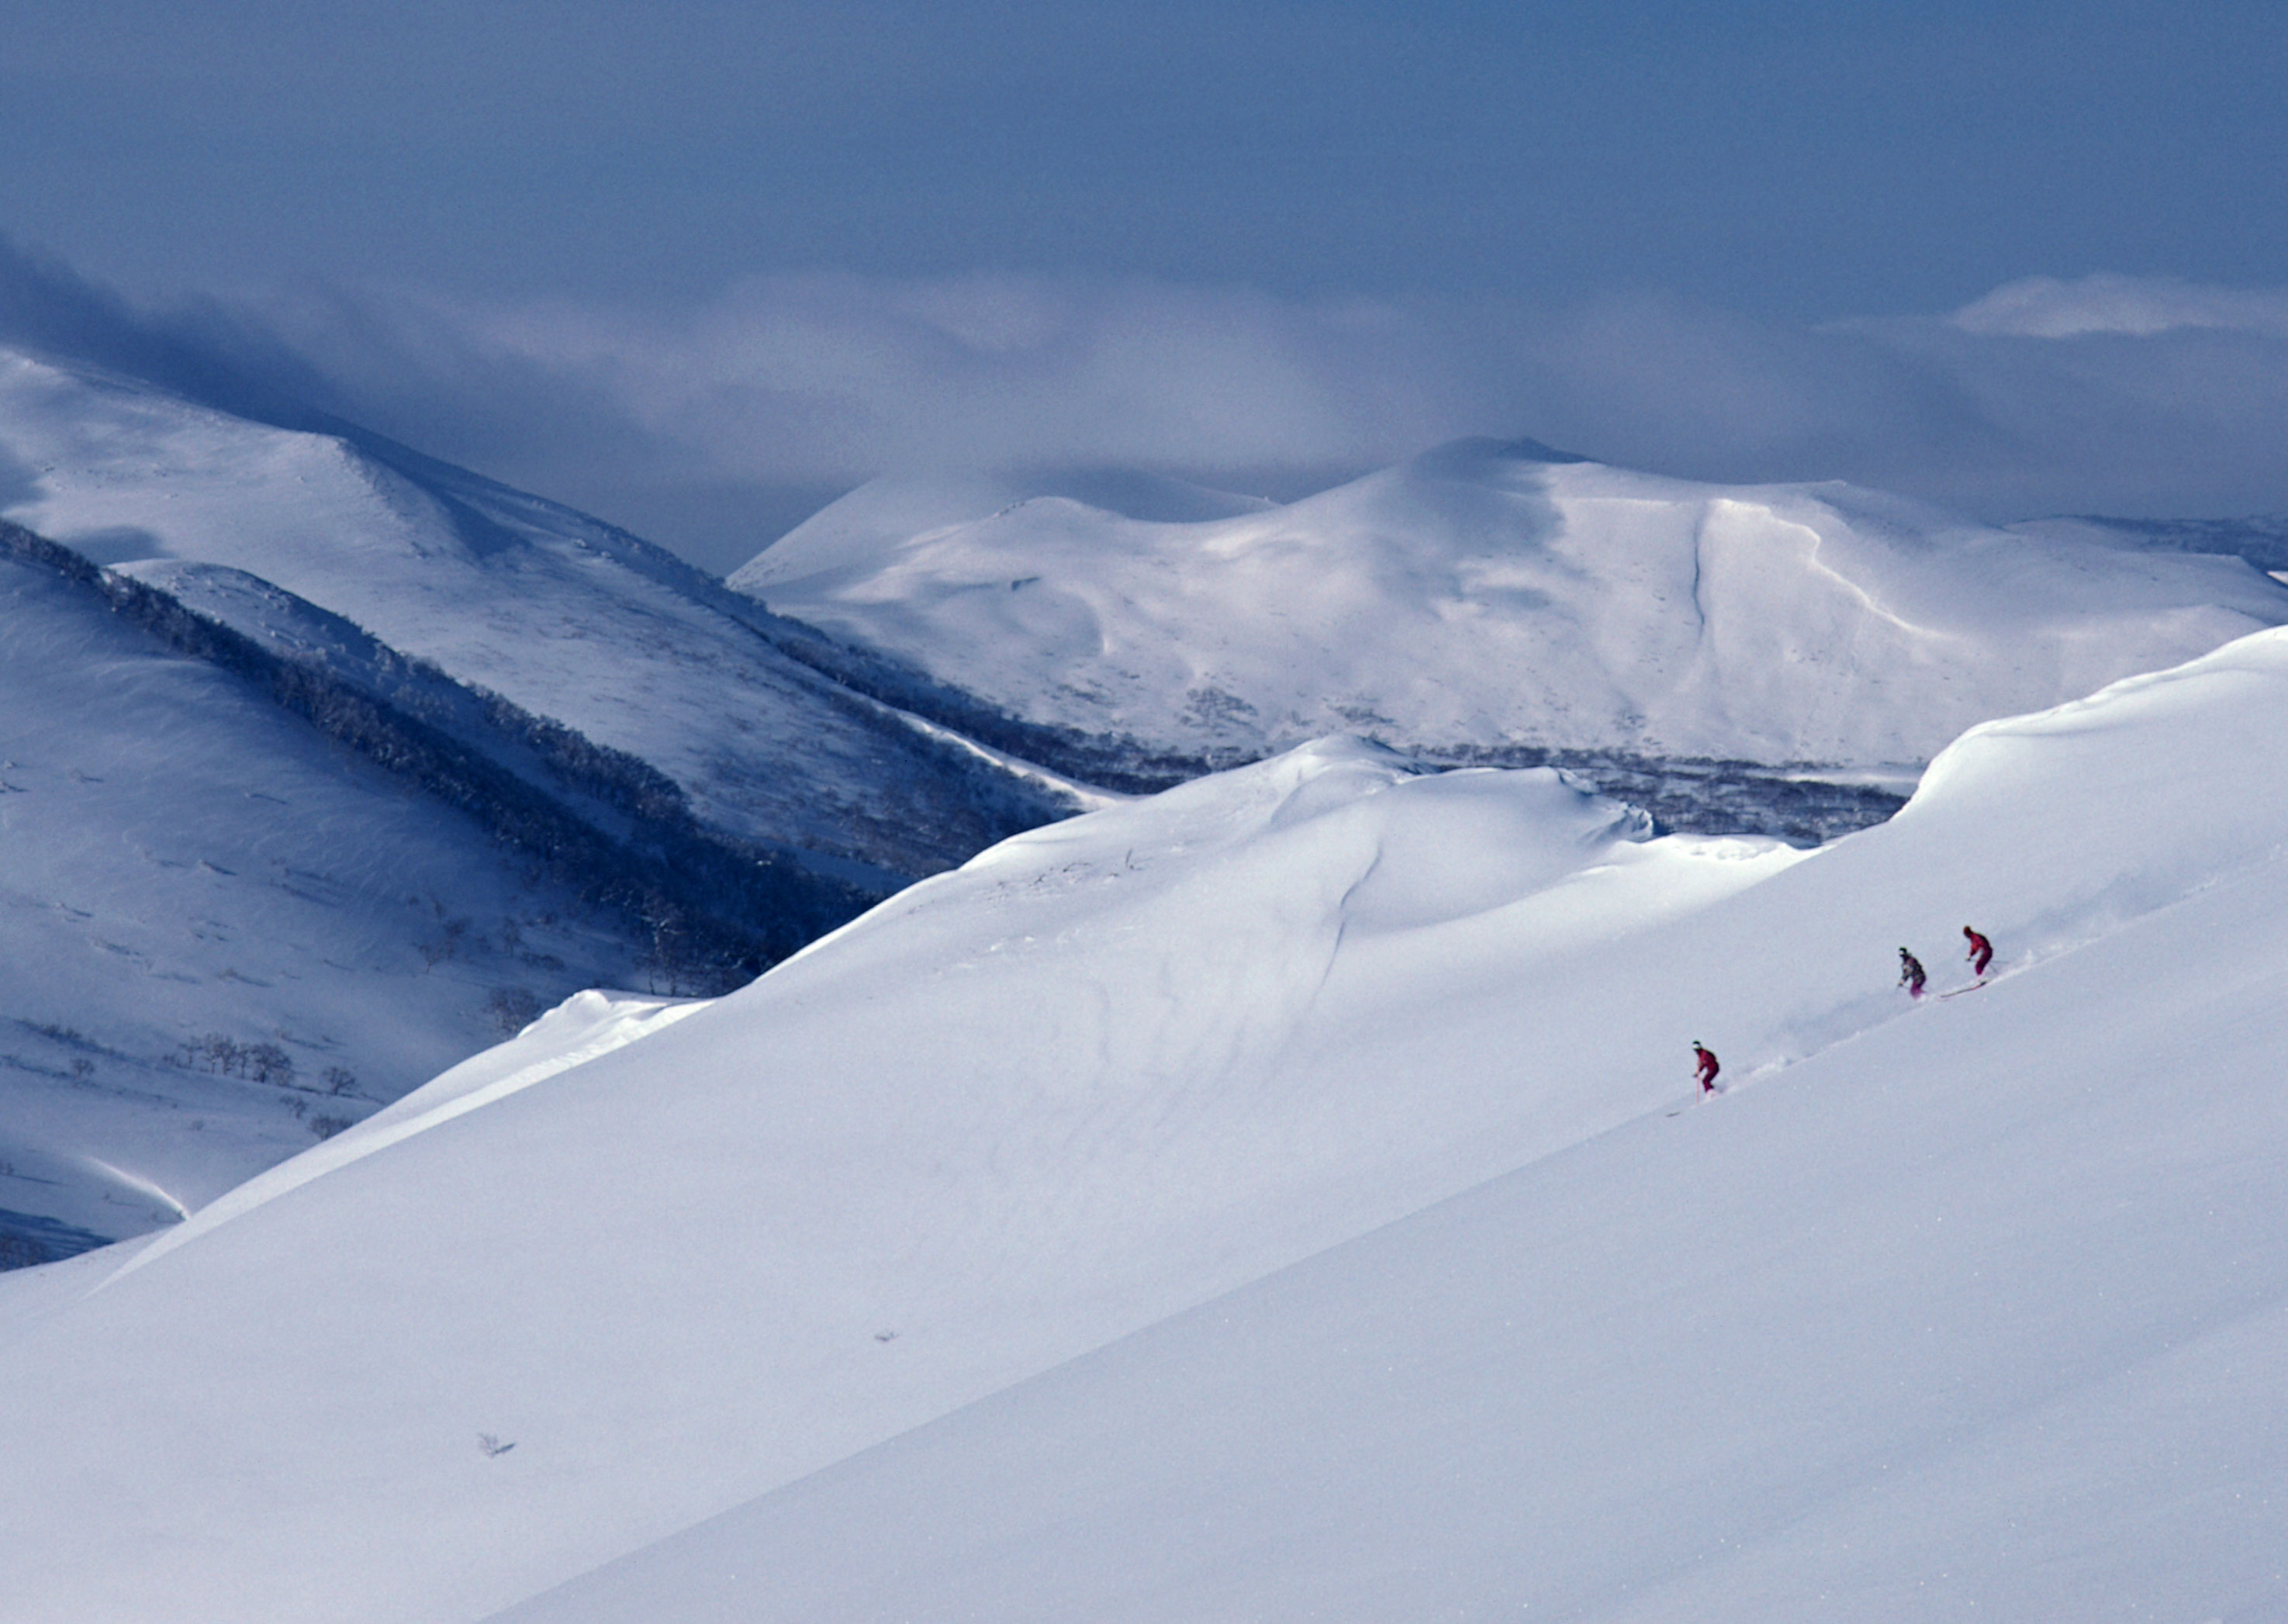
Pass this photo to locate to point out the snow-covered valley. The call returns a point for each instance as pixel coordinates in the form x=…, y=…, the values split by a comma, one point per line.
x=1283, y=1197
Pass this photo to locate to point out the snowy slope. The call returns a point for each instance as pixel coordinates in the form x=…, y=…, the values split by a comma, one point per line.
x=1928, y=1262
x=1486, y=596
x=180, y=858
x=1983, y=1316
x=565, y=616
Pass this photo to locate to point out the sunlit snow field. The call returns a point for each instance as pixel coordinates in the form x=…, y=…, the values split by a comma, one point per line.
x=1285, y=1197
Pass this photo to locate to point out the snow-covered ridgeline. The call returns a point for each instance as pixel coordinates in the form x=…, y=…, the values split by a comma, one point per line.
x=749, y=805
x=1112, y=1071
x=1492, y=597
x=112, y=1088
x=566, y=617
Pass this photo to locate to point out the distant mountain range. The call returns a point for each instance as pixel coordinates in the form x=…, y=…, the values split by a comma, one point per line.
x=2261, y=538
x=557, y=612
x=1486, y=601
x=319, y=748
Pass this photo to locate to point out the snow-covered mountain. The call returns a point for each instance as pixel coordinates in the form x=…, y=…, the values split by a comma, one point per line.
x=1282, y=1198
x=566, y=617
x=1489, y=600
x=222, y=932
x=350, y=762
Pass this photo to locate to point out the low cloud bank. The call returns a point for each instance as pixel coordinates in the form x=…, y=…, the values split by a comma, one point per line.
x=2134, y=306
x=715, y=427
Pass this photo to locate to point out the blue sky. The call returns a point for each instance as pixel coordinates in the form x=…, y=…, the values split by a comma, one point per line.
x=502, y=230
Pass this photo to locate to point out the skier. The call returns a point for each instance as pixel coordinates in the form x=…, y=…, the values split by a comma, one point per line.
x=1911, y=973
x=1982, y=953
x=1707, y=1067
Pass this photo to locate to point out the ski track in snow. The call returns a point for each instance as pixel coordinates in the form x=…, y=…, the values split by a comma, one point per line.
x=1254, y=1159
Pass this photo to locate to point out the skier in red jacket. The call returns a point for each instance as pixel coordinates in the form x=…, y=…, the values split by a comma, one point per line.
x=1707, y=1067
x=1982, y=953
x=1911, y=973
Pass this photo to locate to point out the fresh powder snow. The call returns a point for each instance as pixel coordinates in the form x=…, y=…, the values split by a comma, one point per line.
x=1285, y=1197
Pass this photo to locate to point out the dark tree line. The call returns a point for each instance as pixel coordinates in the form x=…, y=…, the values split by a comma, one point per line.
x=1115, y=761
x=1711, y=797
x=224, y=1055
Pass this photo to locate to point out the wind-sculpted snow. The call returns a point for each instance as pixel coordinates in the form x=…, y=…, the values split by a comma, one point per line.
x=1119, y=1154
x=1486, y=597
x=562, y=615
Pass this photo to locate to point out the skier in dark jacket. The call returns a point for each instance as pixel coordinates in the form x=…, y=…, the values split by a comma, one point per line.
x=1982, y=953
x=1911, y=973
x=1707, y=1067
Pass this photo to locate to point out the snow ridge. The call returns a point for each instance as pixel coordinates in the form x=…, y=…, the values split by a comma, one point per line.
x=565, y=617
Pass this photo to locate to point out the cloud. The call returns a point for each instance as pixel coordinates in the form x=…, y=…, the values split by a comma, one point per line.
x=812, y=382
x=832, y=375
x=715, y=425
x=720, y=424
x=2129, y=306
x=202, y=348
